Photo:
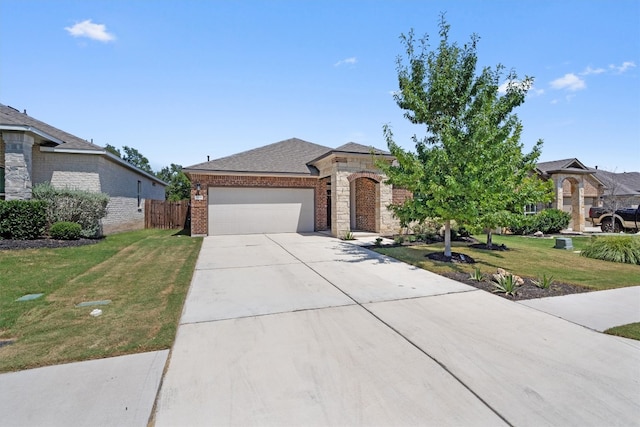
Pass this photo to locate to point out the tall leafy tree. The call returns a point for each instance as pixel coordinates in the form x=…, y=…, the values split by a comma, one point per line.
x=469, y=166
x=113, y=150
x=179, y=187
x=136, y=158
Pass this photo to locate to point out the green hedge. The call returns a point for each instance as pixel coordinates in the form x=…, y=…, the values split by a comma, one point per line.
x=65, y=230
x=22, y=219
x=548, y=221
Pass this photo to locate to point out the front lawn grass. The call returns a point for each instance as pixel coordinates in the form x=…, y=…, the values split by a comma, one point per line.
x=527, y=256
x=144, y=273
x=632, y=330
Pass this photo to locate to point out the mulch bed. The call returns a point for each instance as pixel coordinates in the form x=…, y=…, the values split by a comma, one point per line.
x=526, y=291
x=9, y=244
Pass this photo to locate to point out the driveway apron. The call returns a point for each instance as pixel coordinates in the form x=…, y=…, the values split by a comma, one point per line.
x=290, y=329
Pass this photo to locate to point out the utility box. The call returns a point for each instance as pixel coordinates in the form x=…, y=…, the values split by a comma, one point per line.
x=564, y=243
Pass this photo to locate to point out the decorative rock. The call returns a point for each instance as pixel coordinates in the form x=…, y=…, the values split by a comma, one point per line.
x=538, y=234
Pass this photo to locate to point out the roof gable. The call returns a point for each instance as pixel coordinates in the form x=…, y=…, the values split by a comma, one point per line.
x=566, y=164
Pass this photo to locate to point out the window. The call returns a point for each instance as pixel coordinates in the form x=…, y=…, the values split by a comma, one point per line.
x=139, y=193
x=531, y=209
x=1, y=180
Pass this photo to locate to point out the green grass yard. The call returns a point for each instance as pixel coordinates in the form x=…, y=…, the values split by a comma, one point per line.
x=530, y=257
x=145, y=274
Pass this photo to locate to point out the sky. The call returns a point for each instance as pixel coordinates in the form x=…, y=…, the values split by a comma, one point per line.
x=183, y=80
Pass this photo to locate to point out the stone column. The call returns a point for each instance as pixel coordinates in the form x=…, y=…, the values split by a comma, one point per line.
x=340, y=204
x=578, y=219
x=559, y=192
x=387, y=222
x=17, y=163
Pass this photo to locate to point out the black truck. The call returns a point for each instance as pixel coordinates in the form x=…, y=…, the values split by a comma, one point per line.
x=625, y=219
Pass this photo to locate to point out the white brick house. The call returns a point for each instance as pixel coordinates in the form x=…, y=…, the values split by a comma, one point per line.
x=33, y=152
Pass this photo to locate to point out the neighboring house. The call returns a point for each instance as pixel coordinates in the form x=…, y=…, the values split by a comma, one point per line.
x=293, y=186
x=33, y=152
x=579, y=187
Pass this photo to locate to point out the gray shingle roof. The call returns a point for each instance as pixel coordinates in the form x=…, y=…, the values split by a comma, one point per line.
x=11, y=117
x=568, y=164
x=622, y=184
x=288, y=156
x=353, y=147
x=292, y=156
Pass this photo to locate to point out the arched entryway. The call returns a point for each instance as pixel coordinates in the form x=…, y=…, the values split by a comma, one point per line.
x=365, y=201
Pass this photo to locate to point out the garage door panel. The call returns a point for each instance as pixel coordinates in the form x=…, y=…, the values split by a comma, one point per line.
x=260, y=210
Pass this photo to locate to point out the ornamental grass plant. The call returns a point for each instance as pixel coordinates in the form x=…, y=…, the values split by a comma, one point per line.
x=623, y=249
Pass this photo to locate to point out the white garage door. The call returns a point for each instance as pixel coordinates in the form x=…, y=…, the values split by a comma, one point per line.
x=235, y=210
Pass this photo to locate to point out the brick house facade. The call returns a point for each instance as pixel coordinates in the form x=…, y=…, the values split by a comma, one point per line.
x=349, y=191
x=33, y=152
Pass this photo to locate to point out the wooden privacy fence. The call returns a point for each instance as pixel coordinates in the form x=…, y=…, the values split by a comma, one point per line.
x=165, y=214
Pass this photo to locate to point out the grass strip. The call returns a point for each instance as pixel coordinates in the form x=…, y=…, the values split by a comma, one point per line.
x=632, y=330
x=145, y=274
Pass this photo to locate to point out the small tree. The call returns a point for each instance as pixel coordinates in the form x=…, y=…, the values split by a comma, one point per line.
x=470, y=164
x=179, y=187
x=613, y=198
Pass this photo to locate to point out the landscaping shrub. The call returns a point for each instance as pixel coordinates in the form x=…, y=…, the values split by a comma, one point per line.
x=65, y=230
x=548, y=221
x=22, y=219
x=625, y=249
x=552, y=221
x=79, y=206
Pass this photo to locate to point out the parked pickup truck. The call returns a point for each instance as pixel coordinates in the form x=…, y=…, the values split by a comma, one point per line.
x=626, y=219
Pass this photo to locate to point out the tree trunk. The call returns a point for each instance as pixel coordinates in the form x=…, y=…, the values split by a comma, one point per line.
x=489, y=238
x=447, y=238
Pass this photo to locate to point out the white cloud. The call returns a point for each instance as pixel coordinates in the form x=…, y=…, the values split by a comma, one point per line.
x=622, y=68
x=346, y=61
x=90, y=30
x=570, y=82
x=588, y=71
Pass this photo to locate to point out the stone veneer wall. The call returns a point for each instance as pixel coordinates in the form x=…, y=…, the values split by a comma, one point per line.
x=17, y=163
x=200, y=208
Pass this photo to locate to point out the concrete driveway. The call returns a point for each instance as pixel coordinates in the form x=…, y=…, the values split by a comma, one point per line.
x=290, y=329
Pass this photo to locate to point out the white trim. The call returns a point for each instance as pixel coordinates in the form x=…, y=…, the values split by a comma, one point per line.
x=25, y=128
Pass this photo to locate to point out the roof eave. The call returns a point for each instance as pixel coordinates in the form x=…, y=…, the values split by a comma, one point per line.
x=31, y=129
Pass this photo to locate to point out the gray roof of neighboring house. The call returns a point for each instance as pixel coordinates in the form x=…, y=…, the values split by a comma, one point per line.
x=291, y=156
x=622, y=184
x=627, y=183
x=10, y=117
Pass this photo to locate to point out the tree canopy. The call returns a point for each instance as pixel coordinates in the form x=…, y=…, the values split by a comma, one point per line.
x=469, y=166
